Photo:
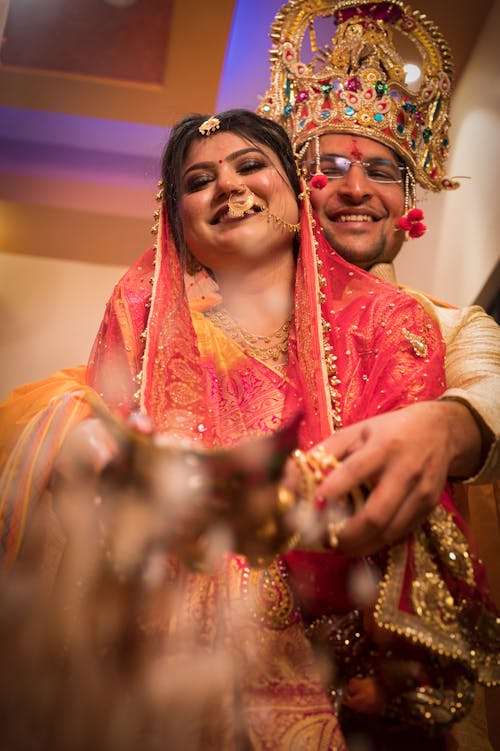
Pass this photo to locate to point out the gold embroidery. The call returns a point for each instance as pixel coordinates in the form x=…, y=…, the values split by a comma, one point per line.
x=344, y=641
x=272, y=596
x=450, y=545
x=430, y=596
x=417, y=342
x=449, y=626
x=441, y=634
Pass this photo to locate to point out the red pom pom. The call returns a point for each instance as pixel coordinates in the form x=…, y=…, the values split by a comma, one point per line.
x=319, y=181
x=417, y=229
x=415, y=215
x=411, y=223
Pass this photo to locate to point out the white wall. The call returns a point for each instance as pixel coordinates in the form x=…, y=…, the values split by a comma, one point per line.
x=50, y=311
x=454, y=259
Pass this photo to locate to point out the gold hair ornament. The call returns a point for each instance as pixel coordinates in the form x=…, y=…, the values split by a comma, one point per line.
x=356, y=83
x=210, y=126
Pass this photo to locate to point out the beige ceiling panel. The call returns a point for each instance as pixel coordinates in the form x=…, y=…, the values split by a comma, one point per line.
x=192, y=56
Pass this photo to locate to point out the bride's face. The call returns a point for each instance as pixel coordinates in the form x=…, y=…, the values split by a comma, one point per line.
x=224, y=165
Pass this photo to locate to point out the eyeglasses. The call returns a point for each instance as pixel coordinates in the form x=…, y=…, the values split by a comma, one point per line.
x=379, y=170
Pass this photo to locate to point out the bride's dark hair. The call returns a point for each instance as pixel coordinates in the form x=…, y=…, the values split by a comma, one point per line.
x=244, y=123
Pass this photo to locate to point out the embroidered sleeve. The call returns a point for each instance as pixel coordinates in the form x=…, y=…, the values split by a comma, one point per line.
x=393, y=356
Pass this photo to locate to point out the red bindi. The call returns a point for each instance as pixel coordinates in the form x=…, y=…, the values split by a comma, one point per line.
x=355, y=152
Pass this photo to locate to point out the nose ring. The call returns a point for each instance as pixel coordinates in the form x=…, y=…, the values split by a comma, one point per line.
x=240, y=202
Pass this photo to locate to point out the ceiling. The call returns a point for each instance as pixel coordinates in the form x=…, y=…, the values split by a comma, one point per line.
x=171, y=50
x=89, y=38
x=88, y=90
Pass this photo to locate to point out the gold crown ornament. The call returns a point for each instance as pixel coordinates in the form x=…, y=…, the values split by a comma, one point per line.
x=356, y=83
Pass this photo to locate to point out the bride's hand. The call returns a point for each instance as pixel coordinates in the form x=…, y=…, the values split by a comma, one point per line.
x=86, y=450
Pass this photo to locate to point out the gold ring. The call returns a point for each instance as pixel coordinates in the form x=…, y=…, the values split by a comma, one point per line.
x=314, y=466
x=334, y=530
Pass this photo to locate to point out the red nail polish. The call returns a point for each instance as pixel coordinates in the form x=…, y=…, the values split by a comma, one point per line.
x=319, y=502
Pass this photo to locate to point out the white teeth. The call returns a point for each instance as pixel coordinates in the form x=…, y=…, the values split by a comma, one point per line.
x=354, y=218
x=227, y=218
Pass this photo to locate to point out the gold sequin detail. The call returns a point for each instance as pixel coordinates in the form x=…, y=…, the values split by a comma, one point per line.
x=272, y=596
x=417, y=342
x=450, y=545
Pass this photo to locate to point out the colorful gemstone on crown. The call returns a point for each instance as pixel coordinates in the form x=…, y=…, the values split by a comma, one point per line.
x=356, y=83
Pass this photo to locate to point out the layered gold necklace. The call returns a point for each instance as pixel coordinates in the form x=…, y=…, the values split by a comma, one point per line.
x=271, y=348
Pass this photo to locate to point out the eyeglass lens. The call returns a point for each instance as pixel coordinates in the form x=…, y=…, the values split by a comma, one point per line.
x=379, y=170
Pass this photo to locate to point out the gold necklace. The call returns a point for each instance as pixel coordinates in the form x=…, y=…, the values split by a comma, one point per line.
x=262, y=346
